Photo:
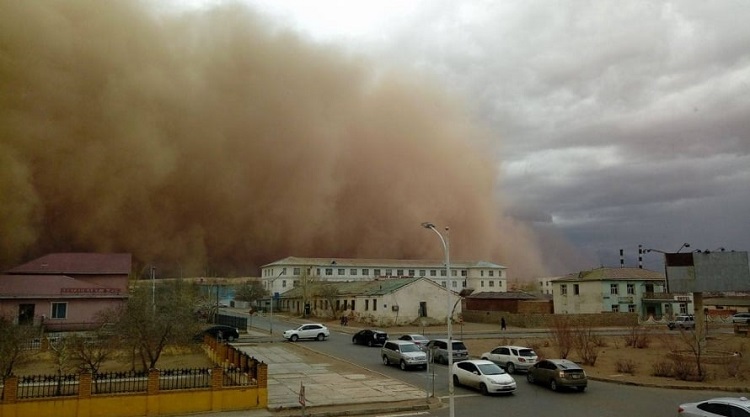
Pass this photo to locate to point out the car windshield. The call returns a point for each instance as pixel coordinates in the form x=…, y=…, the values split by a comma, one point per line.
x=490, y=369
x=459, y=346
x=528, y=353
x=410, y=348
x=419, y=338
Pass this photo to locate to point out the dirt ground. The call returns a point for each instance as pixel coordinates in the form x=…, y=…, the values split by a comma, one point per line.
x=615, y=360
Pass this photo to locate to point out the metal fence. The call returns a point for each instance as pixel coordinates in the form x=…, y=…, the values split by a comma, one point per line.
x=173, y=379
x=234, y=321
x=38, y=386
x=236, y=377
x=112, y=382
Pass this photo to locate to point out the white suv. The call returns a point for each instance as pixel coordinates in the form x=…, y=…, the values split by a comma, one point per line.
x=315, y=331
x=512, y=358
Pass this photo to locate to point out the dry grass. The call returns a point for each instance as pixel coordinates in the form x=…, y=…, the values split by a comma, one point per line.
x=618, y=361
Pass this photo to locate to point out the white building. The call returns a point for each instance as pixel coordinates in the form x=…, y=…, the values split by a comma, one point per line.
x=282, y=275
x=380, y=301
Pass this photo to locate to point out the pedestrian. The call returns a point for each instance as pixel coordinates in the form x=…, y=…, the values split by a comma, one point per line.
x=502, y=323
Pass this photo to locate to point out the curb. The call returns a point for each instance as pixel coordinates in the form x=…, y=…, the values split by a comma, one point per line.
x=359, y=409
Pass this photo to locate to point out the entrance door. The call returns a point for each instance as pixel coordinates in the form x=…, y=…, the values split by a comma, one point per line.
x=422, y=309
x=26, y=314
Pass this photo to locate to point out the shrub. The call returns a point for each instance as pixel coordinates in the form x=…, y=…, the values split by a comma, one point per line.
x=625, y=366
x=663, y=368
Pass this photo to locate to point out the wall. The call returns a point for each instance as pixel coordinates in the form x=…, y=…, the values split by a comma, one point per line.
x=535, y=320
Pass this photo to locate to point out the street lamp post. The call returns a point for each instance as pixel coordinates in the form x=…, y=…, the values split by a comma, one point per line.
x=270, y=329
x=449, y=311
x=153, y=290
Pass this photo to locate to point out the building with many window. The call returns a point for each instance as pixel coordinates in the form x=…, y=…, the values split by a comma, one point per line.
x=633, y=290
x=285, y=274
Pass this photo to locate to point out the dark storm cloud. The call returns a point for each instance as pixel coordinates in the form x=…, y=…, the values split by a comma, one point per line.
x=210, y=141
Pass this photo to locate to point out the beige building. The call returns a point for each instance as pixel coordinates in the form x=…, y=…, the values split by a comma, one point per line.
x=285, y=274
x=380, y=301
x=608, y=290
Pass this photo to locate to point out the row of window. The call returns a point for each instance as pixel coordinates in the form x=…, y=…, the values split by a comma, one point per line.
x=454, y=284
x=614, y=289
x=378, y=272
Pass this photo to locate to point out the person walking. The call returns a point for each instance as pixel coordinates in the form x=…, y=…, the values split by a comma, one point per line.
x=502, y=323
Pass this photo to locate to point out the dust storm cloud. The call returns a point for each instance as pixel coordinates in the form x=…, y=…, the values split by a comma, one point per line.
x=213, y=143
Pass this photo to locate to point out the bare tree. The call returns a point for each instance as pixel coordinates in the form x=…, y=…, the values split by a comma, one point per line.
x=586, y=342
x=562, y=335
x=90, y=352
x=14, y=341
x=250, y=291
x=329, y=293
x=148, y=324
x=695, y=341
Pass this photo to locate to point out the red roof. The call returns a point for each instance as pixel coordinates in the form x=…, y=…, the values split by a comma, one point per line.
x=77, y=264
x=59, y=286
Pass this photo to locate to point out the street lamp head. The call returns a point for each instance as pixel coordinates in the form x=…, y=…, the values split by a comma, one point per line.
x=428, y=225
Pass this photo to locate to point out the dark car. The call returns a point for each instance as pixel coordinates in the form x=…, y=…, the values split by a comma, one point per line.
x=220, y=332
x=558, y=373
x=370, y=337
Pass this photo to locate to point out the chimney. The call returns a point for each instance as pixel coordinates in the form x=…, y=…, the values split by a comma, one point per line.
x=622, y=260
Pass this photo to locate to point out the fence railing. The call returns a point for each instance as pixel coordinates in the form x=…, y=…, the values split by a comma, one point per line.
x=115, y=382
x=173, y=379
x=39, y=386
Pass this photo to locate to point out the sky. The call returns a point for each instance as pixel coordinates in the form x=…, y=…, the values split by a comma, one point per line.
x=213, y=137
x=616, y=124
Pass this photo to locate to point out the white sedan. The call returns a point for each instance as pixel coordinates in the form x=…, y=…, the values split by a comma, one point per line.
x=724, y=406
x=315, y=331
x=483, y=375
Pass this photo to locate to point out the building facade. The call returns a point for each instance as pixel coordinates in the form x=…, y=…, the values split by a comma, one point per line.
x=288, y=273
x=633, y=290
x=65, y=291
x=379, y=301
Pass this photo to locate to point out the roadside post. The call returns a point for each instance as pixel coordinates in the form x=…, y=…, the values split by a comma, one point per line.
x=302, y=397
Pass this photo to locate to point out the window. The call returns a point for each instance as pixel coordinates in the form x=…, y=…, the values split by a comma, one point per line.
x=442, y=272
x=283, y=271
x=454, y=273
x=59, y=310
x=342, y=271
x=683, y=308
x=422, y=273
x=492, y=283
x=499, y=283
x=318, y=274
x=631, y=308
x=613, y=289
x=433, y=273
x=283, y=283
x=576, y=289
x=353, y=304
x=463, y=272
x=388, y=272
x=329, y=271
x=296, y=271
x=481, y=273
x=615, y=308
x=563, y=289
x=376, y=272
x=481, y=284
x=411, y=272
x=400, y=272
x=631, y=289
x=492, y=273
x=453, y=284
x=444, y=285
x=367, y=305
x=463, y=283
x=374, y=305
x=353, y=272
x=365, y=271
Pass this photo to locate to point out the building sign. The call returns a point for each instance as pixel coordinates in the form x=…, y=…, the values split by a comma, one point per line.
x=682, y=298
x=89, y=290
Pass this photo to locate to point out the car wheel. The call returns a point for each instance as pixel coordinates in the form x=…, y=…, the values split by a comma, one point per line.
x=530, y=377
x=581, y=389
x=456, y=382
x=402, y=365
x=553, y=385
x=385, y=360
x=321, y=337
x=369, y=343
x=354, y=340
x=511, y=368
x=483, y=389
x=294, y=338
x=230, y=338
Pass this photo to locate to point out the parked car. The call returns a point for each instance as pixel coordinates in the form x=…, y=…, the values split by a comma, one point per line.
x=558, y=373
x=438, y=348
x=315, y=331
x=220, y=332
x=419, y=339
x=741, y=318
x=404, y=353
x=370, y=337
x=512, y=358
x=683, y=321
x=722, y=406
x=483, y=375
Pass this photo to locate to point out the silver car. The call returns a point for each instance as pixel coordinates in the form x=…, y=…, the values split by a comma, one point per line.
x=716, y=407
x=483, y=375
x=404, y=353
x=512, y=358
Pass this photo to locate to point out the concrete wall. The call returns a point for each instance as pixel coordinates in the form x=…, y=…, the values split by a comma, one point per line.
x=534, y=320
